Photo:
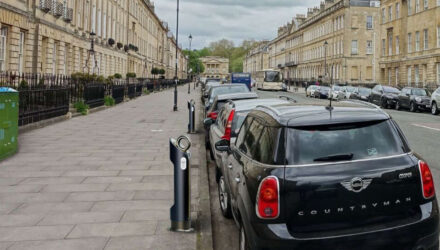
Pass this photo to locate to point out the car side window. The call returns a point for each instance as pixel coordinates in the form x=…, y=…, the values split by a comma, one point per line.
x=251, y=139
x=265, y=148
x=242, y=133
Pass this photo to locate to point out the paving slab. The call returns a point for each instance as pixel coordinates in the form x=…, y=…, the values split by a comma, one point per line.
x=101, y=181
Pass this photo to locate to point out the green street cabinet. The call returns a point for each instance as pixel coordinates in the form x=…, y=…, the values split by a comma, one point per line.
x=8, y=122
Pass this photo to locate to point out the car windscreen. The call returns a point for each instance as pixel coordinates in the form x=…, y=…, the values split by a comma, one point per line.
x=390, y=90
x=312, y=145
x=336, y=88
x=228, y=90
x=364, y=91
x=419, y=92
x=350, y=89
x=272, y=76
x=322, y=88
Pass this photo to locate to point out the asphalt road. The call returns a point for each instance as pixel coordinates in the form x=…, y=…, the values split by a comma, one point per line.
x=421, y=129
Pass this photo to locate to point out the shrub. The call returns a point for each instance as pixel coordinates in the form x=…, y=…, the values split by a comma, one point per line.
x=109, y=101
x=111, y=41
x=118, y=76
x=23, y=85
x=119, y=45
x=131, y=75
x=146, y=92
x=81, y=107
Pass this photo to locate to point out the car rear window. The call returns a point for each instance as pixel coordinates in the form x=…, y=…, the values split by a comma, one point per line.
x=368, y=140
x=228, y=90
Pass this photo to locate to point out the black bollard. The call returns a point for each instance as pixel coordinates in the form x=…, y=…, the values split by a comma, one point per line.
x=192, y=117
x=180, y=212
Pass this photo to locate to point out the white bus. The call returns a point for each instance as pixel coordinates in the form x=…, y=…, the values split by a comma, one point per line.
x=269, y=79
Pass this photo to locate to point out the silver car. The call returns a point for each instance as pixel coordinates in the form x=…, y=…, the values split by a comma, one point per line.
x=435, y=102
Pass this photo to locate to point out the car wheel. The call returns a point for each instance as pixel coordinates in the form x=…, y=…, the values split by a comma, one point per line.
x=384, y=104
x=412, y=107
x=434, y=109
x=397, y=106
x=224, y=198
x=242, y=240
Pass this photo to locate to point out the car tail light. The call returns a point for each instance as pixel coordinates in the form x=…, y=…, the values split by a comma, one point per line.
x=427, y=180
x=228, y=128
x=213, y=115
x=268, y=200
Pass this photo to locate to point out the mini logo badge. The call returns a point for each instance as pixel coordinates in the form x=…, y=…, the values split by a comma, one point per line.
x=356, y=184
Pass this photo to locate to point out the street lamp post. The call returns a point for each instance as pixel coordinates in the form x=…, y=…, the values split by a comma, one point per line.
x=325, y=59
x=187, y=63
x=176, y=79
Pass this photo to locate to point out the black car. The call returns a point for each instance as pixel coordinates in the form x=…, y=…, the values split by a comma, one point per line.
x=361, y=93
x=384, y=96
x=413, y=99
x=223, y=89
x=323, y=92
x=341, y=177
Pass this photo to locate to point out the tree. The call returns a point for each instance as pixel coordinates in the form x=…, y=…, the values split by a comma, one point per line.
x=154, y=72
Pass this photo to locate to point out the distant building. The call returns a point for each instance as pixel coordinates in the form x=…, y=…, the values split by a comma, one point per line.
x=257, y=58
x=410, y=43
x=215, y=67
x=339, y=34
x=54, y=36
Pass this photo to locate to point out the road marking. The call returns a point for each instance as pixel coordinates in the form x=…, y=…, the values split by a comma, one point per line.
x=422, y=126
x=156, y=130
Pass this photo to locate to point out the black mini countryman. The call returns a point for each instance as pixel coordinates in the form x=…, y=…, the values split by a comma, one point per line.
x=315, y=177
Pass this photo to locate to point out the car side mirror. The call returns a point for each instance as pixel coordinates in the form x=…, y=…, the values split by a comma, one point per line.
x=222, y=145
x=208, y=122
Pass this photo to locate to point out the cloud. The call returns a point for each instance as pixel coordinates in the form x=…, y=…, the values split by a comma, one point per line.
x=236, y=20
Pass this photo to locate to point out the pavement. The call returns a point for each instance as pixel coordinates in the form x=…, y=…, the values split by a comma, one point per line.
x=103, y=181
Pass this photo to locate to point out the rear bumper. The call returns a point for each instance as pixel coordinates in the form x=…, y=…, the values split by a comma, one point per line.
x=421, y=235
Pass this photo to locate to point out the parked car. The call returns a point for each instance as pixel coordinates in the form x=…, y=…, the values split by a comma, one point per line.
x=323, y=92
x=435, y=102
x=217, y=104
x=208, y=86
x=348, y=90
x=361, y=93
x=337, y=93
x=413, y=99
x=314, y=177
x=311, y=90
x=384, y=96
x=223, y=89
x=227, y=125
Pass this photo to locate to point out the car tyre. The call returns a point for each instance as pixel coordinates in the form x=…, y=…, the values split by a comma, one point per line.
x=384, y=104
x=242, y=240
x=397, y=105
x=412, y=107
x=224, y=198
x=434, y=109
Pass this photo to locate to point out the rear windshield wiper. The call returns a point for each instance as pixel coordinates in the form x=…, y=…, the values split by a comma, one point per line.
x=335, y=157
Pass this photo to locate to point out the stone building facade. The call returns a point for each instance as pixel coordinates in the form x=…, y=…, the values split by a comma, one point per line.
x=336, y=39
x=257, y=58
x=410, y=42
x=54, y=37
x=215, y=67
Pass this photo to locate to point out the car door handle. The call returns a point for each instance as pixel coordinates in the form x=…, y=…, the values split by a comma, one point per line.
x=237, y=179
x=230, y=166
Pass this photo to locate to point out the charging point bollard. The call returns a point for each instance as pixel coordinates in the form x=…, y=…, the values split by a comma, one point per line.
x=180, y=212
x=192, y=117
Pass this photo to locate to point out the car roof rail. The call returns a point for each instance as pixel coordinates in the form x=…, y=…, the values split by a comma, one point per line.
x=290, y=99
x=368, y=104
x=272, y=109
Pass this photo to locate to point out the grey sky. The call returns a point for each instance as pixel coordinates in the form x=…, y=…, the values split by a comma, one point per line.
x=211, y=20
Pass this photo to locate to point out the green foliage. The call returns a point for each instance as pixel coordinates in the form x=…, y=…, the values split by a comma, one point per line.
x=154, y=71
x=109, y=101
x=23, y=85
x=41, y=83
x=223, y=48
x=81, y=107
x=146, y=91
x=131, y=75
x=162, y=71
x=118, y=76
